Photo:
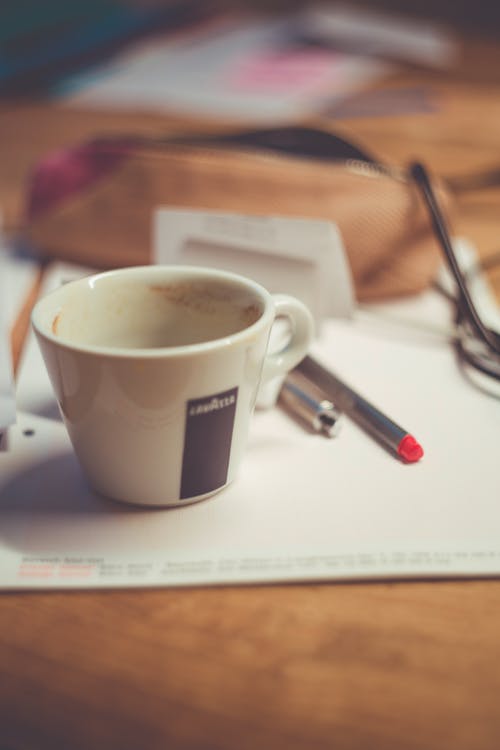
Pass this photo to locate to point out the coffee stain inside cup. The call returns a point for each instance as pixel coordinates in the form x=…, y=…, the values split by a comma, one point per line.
x=201, y=298
x=159, y=315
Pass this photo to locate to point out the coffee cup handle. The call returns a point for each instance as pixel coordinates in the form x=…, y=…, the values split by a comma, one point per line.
x=277, y=364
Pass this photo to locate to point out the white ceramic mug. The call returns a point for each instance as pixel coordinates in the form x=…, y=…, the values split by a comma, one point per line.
x=156, y=370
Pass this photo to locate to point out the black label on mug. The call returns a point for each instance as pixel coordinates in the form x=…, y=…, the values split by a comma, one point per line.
x=207, y=443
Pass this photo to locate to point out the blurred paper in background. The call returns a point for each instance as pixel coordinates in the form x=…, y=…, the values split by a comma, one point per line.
x=195, y=58
x=238, y=68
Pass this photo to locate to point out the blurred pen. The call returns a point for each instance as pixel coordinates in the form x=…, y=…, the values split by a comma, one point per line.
x=367, y=416
x=300, y=401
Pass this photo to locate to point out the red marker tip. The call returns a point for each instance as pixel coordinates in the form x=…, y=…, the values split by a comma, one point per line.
x=410, y=449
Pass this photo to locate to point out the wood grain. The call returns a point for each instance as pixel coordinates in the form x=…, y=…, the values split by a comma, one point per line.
x=408, y=665
x=390, y=666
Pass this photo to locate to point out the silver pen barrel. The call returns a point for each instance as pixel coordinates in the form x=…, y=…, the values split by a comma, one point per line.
x=319, y=414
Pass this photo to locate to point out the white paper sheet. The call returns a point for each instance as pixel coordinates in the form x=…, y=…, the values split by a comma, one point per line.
x=304, y=507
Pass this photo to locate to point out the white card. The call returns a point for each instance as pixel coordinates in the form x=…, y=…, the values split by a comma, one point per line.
x=301, y=257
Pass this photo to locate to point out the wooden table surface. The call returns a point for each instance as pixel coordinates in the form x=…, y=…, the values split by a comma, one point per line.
x=389, y=665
